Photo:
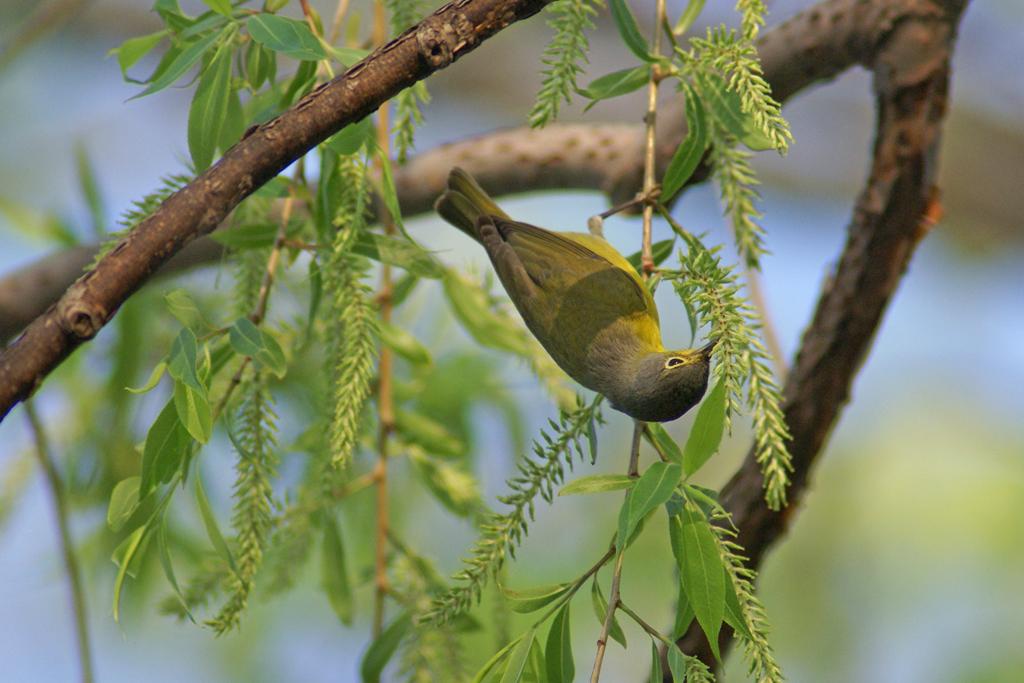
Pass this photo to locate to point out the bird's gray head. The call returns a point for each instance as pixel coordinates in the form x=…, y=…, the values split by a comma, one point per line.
x=664, y=385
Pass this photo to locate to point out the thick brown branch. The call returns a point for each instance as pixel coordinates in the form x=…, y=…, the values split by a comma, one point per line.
x=449, y=33
x=911, y=67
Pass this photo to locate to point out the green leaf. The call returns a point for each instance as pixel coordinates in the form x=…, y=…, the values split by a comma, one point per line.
x=684, y=612
x=389, y=194
x=592, y=439
x=536, y=667
x=134, y=49
x=201, y=24
x=656, y=675
x=302, y=82
x=182, y=62
x=659, y=252
x=248, y=340
x=183, y=307
x=519, y=657
x=210, y=522
x=496, y=659
x=181, y=364
x=653, y=488
x=250, y=236
x=431, y=435
x=194, y=411
x=222, y=7
x=398, y=252
x=702, y=572
x=733, y=613
x=209, y=108
x=596, y=483
x=90, y=189
x=532, y=599
x=234, y=122
x=706, y=433
x=727, y=109
x=560, y=666
x=689, y=15
x=705, y=498
x=663, y=442
x=677, y=663
x=690, y=151
x=272, y=355
x=37, y=224
x=630, y=32
x=154, y=378
x=122, y=557
x=471, y=305
x=222, y=353
x=260, y=65
x=352, y=138
x=601, y=609
x=167, y=444
x=453, y=487
x=615, y=84
x=383, y=648
x=124, y=500
x=168, y=566
x=316, y=292
x=348, y=55
x=334, y=571
x=288, y=36
x=170, y=12
x=404, y=344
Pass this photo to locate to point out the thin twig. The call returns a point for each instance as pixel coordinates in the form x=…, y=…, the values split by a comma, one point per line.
x=653, y=632
x=673, y=223
x=259, y=311
x=662, y=455
x=647, y=262
x=60, y=510
x=275, y=256
x=236, y=379
x=650, y=146
x=634, y=450
x=609, y=615
x=613, y=596
x=324, y=65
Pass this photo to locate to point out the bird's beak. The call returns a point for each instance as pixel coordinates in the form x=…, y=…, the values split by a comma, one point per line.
x=708, y=348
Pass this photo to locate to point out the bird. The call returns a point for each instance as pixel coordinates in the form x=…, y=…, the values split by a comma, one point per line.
x=585, y=304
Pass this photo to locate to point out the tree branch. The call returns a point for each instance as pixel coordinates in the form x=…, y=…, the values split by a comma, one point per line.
x=434, y=43
x=910, y=60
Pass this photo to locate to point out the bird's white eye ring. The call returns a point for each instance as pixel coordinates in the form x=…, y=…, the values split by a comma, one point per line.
x=674, y=362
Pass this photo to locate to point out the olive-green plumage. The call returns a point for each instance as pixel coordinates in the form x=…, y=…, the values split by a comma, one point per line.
x=585, y=304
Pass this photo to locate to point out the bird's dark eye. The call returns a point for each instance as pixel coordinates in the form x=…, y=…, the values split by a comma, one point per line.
x=674, y=362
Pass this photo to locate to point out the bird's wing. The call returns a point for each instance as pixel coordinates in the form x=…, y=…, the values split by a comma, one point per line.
x=546, y=256
x=543, y=251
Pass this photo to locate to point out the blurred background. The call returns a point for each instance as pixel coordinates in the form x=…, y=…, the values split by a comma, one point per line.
x=906, y=560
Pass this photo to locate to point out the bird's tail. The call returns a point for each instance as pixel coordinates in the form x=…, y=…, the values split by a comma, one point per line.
x=464, y=201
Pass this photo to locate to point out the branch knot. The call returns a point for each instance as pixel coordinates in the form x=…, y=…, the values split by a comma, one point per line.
x=80, y=318
x=440, y=39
